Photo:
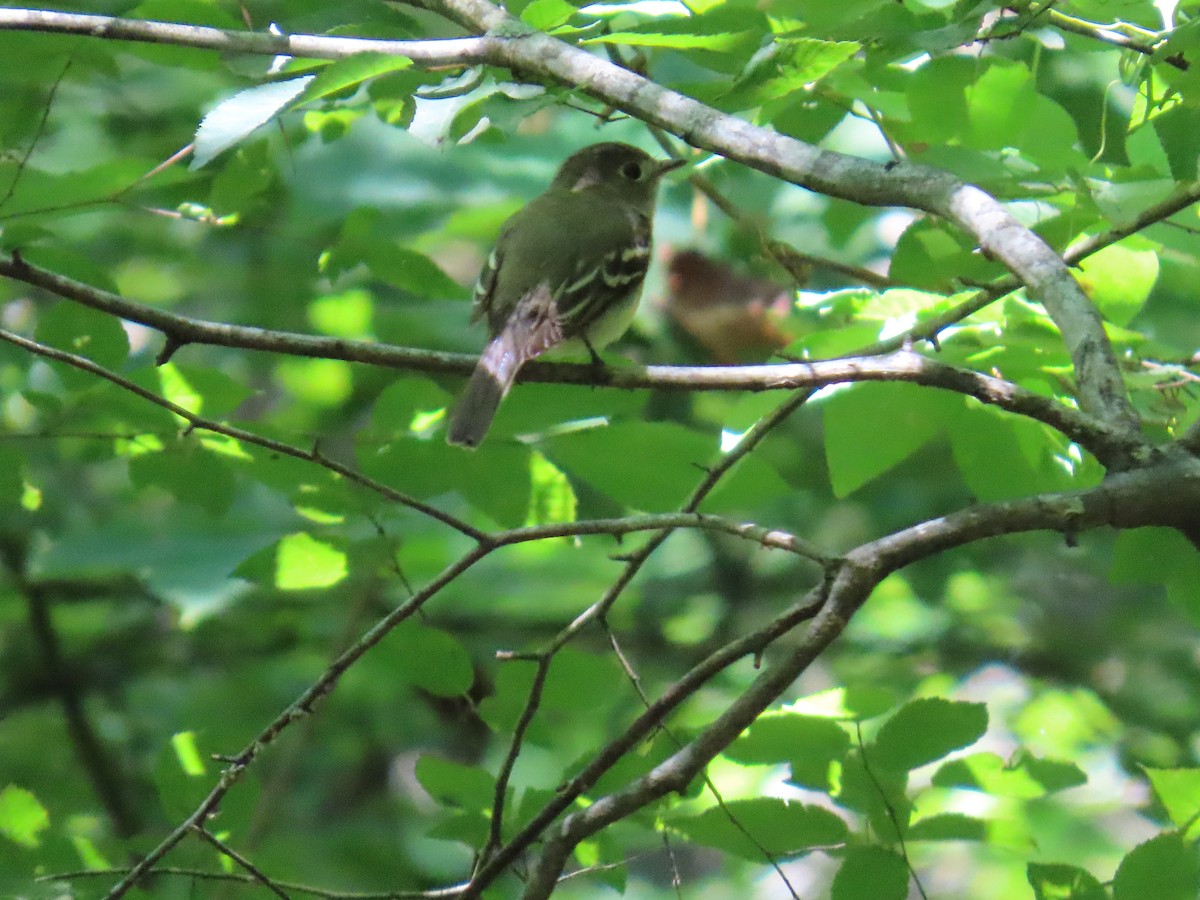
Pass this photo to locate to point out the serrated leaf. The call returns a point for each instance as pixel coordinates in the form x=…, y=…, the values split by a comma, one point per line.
x=1062, y=882
x=601, y=457
x=1178, y=790
x=774, y=826
x=353, y=70
x=233, y=119
x=811, y=745
x=1025, y=777
x=546, y=14
x=83, y=332
x=551, y=497
x=925, y=730
x=852, y=704
x=1163, y=868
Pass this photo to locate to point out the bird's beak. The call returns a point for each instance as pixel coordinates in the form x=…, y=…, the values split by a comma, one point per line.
x=669, y=165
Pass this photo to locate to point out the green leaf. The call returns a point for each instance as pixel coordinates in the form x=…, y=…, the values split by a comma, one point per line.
x=1025, y=776
x=722, y=42
x=855, y=418
x=811, y=745
x=871, y=873
x=344, y=315
x=925, y=730
x=187, y=754
x=1178, y=790
x=349, y=72
x=947, y=827
x=551, y=498
x=547, y=14
x=1001, y=456
x=363, y=241
x=774, y=826
x=22, y=817
x=1005, y=110
x=214, y=393
x=188, y=472
x=1062, y=882
x=454, y=784
x=855, y=704
x=933, y=256
x=1178, y=131
x=431, y=660
x=302, y=563
x=1159, y=556
x=233, y=119
x=1120, y=277
x=1163, y=868
x=83, y=332
x=616, y=460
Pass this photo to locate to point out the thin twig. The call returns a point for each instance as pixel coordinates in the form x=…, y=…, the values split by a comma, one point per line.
x=447, y=893
x=37, y=135
x=887, y=805
x=252, y=870
x=532, y=702
x=241, y=434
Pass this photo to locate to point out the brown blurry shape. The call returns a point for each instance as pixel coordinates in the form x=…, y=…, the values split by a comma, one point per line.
x=733, y=317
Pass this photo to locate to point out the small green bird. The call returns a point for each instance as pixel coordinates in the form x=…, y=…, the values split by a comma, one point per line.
x=567, y=268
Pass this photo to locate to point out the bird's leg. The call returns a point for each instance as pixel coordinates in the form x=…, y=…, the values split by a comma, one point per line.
x=600, y=372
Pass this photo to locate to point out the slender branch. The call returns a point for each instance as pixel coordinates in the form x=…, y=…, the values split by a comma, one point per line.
x=252, y=870
x=37, y=135
x=1106, y=442
x=509, y=43
x=532, y=702
x=440, y=52
x=709, y=784
x=890, y=809
x=767, y=537
x=1115, y=35
x=242, y=878
x=662, y=524
x=303, y=706
x=1102, y=391
x=639, y=729
x=677, y=693
x=240, y=434
x=1168, y=495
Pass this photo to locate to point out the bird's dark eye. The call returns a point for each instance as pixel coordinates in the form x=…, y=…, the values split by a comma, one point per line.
x=632, y=171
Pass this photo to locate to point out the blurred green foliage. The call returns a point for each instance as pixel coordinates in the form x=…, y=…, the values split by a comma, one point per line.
x=1017, y=718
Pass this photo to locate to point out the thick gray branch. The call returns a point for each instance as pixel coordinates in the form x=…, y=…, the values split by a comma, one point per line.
x=444, y=52
x=1101, y=389
x=1167, y=495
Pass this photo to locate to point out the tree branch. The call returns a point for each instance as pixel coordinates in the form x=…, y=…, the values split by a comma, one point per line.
x=1112, y=445
x=533, y=54
x=436, y=52
x=1168, y=495
x=1102, y=391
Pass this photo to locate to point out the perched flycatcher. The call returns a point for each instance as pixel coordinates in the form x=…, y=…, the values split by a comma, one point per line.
x=568, y=267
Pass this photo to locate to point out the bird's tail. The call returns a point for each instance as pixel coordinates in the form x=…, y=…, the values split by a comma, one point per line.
x=493, y=376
